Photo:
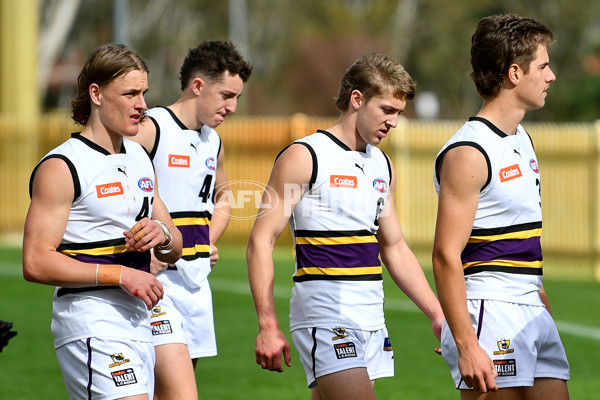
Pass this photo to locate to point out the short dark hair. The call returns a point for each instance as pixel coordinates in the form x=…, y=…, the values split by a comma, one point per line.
x=212, y=58
x=500, y=41
x=104, y=64
x=373, y=75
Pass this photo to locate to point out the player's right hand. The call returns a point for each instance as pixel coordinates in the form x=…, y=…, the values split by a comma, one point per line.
x=142, y=285
x=477, y=370
x=271, y=345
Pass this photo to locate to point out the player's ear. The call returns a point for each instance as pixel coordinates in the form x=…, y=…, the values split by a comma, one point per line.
x=514, y=74
x=356, y=99
x=94, y=92
x=197, y=85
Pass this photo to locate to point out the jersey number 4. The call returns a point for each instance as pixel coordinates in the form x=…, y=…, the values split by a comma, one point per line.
x=206, y=189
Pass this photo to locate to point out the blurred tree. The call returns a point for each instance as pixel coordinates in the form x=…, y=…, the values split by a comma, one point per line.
x=300, y=49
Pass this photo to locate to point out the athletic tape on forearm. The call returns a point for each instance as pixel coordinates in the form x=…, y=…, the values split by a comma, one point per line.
x=108, y=275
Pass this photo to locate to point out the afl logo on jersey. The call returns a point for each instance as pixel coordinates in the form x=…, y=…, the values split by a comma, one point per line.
x=146, y=184
x=534, y=166
x=380, y=185
x=210, y=163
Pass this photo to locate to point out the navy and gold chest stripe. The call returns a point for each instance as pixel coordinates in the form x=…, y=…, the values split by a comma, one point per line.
x=514, y=249
x=194, y=228
x=104, y=252
x=337, y=255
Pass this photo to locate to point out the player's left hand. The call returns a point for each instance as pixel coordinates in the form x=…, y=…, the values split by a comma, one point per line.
x=144, y=235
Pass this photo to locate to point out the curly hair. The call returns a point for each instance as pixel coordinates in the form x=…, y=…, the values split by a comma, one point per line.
x=500, y=41
x=211, y=58
x=375, y=74
x=104, y=64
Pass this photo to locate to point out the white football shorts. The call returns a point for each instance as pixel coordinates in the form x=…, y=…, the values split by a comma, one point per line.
x=107, y=368
x=184, y=315
x=521, y=340
x=325, y=351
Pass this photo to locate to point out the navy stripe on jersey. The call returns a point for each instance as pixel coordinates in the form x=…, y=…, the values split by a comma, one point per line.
x=337, y=255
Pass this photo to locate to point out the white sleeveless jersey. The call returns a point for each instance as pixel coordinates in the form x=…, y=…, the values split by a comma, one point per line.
x=112, y=193
x=338, y=277
x=186, y=164
x=503, y=257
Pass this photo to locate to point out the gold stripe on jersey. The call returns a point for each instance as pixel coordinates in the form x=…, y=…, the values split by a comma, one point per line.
x=336, y=240
x=191, y=221
x=511, y=235
x=98, y=251
x=339, y=271
x=199, y=248
x=505, y=263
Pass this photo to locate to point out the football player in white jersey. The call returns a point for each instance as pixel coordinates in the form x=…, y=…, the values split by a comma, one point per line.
x=500, y=340
x=89, y=232
x=336, y=189
x=188, y=155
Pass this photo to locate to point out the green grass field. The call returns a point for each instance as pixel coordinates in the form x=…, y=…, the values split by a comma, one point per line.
x=28, y=367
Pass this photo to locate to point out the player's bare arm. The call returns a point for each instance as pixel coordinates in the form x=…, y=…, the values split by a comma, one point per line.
x=404, y=267
x=45, y=224
x=286, y=181
x=462, y=175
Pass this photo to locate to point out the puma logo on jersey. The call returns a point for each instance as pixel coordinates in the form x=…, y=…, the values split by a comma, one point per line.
x=344, y=181
x=508, y=173
x=179, y=161
x=359, y=167
x=109, y=189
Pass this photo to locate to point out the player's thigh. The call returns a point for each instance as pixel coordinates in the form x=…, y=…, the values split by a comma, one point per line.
x=174, y=373
x=349, y=384
x=547, y=389
x=513, y=393
x=542, y=389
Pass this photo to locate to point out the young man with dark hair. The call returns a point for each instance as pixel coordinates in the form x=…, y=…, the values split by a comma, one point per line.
x=499, y=341
x=188, y=156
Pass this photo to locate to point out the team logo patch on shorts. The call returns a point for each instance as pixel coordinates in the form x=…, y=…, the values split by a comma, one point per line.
x=124, y=377
x=503, y=347
x=118, y=359
x=340, y=333
x=157, y=312
x=161, y=327
x=506, y=367
x=345, y=350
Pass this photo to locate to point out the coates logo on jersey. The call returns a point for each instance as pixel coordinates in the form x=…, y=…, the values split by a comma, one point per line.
x=508, y=173
x=380, y=185
x=343, y=181
x=146, y=184
x=210, y=163
x=178, y=161
x=109, y=189
x=534, y=166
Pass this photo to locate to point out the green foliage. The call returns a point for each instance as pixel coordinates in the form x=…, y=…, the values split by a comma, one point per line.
x=30, y=370
x=300, y=49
